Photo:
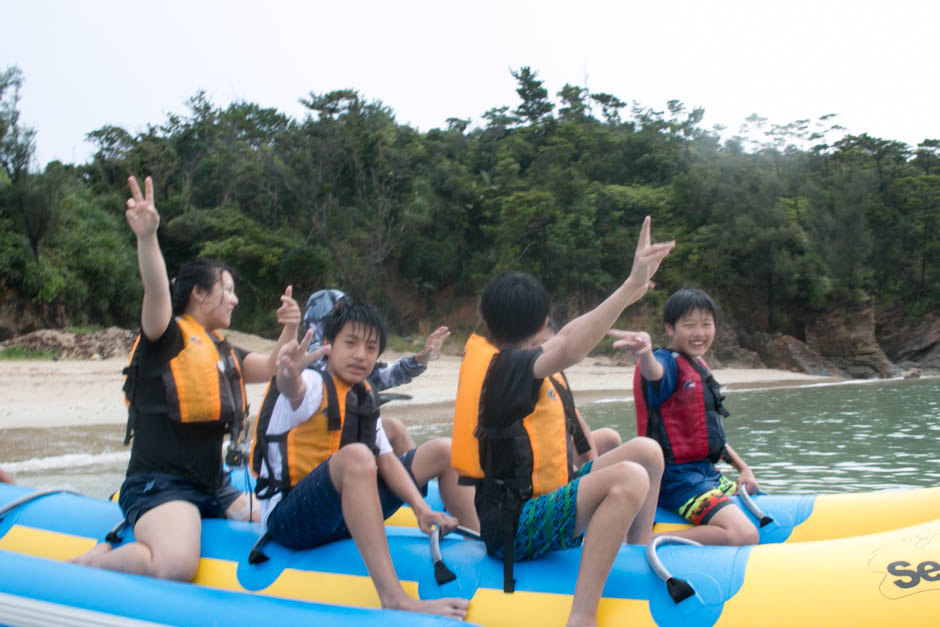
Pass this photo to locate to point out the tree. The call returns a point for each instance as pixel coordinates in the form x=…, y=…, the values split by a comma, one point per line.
x=535, y=107
x=17, y=142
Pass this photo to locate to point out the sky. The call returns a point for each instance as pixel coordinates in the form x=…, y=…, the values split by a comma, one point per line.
x=130, y=63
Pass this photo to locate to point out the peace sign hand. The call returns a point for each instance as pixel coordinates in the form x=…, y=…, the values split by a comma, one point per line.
x=141, y=211
x=648, y=256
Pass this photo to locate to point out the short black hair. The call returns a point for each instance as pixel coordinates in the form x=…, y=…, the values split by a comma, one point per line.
x=685, y=300
x=514, y=306
x=349, y=311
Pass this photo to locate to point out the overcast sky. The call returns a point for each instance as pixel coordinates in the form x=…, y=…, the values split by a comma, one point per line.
x=130, y=63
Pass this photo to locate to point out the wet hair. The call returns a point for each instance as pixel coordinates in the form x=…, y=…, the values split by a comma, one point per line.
x=201, y=273
x=349, y=311
x=686, y=300
x=514, y=306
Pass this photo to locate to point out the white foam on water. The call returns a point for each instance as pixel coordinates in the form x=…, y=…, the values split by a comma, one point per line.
x=71, y=460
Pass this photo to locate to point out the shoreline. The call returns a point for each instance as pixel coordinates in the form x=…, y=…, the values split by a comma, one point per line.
x=79, y=393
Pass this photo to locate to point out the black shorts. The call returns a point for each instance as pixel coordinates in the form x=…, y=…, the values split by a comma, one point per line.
x=141, y=493
x=311, y=514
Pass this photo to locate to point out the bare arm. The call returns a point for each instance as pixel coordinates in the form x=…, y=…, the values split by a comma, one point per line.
x=640, y=344
x=143, y=219
x=577, y=338
x=399, y=482
x=258, y=368
x=746, y=478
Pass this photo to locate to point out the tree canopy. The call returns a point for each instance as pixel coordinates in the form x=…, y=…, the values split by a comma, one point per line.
x=778, y=220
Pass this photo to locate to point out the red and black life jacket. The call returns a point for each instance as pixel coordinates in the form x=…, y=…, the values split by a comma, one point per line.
x=689, y=425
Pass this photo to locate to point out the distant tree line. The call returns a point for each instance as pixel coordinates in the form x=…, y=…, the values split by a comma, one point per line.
x=782, y=218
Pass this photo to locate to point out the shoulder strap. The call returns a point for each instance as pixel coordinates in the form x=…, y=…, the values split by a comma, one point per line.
x=362, y=414
x=333, y=421
x=572, y=424
x=266, y=487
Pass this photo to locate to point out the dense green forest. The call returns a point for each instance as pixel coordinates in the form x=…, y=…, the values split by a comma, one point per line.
x=779, y=219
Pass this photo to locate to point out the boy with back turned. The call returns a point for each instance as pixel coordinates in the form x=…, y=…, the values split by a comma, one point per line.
x=509, y=436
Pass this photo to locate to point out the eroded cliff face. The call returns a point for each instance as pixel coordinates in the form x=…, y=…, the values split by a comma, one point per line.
x=909, y=342
x=860, y=342
x=847, y=338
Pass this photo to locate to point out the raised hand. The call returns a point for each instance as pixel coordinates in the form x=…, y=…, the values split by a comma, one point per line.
x=141, y=211
x=432, y=346
x=293, y=356
x=289, y=311
x=648, y=256
x=637, y=342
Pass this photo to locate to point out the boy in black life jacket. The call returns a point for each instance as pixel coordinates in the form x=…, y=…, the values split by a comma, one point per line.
x=679, y=404
x=509, y=437
x=326, y=468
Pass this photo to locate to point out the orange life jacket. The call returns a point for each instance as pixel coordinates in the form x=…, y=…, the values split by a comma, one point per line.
x=308, y=444
x=538, y=462
x=203, y=382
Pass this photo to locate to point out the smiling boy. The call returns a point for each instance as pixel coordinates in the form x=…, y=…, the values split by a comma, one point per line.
x=326, y=468
x=679, y=404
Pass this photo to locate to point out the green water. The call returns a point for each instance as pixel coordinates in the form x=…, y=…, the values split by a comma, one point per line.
x=849, y=437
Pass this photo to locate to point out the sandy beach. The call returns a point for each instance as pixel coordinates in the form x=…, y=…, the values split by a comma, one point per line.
x=47, y=394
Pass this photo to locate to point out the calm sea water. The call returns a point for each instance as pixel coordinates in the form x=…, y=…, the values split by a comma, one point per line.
x=848, y=437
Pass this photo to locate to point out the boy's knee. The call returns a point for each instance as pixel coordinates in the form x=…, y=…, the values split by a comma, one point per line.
x=745, y=535
x=650, y=454
x=175, y=565
x=356, y=458
x=606, y=439
x=432, y=457
x=633, y=481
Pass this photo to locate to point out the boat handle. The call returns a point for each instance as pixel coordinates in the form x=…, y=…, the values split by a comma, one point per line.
x=32, y=496
x=752, y=507
x=678, y=589
x=442, y=574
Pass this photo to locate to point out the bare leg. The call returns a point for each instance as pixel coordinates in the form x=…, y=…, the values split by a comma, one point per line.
x=608, y=500
x=353, y=472
x=730, y=526
x=5, y=477
x=243, y=507
x=398, y=435
x=605, y=439
x=167, y=545
x=432, y=459
x=649, y=455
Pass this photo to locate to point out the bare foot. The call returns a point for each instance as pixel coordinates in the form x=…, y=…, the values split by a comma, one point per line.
x=88, y=557
x=582, y=621
x=454, y=608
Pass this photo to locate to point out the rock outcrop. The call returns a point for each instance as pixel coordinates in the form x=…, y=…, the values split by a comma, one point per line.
x=847, y=339
x=909, y=343
x=785, y=352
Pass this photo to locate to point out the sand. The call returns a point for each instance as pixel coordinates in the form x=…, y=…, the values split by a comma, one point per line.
x=88, y=392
